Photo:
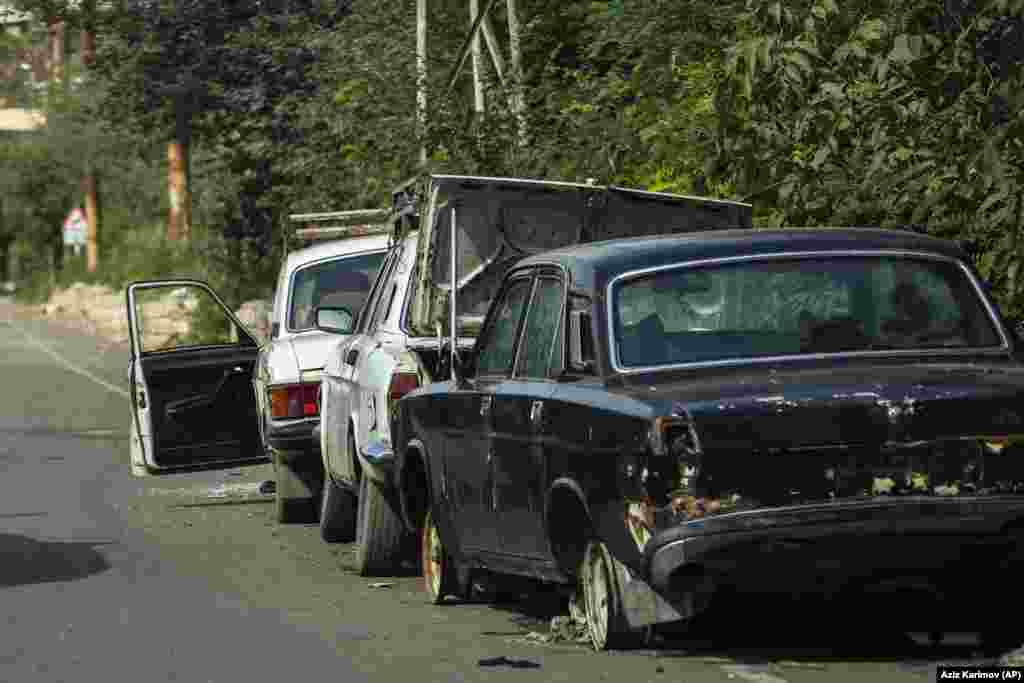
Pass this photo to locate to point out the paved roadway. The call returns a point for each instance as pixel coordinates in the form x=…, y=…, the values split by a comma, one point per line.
x=187, y=578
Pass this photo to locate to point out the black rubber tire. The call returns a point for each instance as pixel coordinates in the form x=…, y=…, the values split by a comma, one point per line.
x=380, y=533
x=288, y=508
x=294, y=510
x=616, y=633
x=338, y=512
x=440, y=574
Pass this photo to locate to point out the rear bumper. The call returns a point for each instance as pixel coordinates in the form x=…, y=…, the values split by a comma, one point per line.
x=831, y=549
x=294, y=439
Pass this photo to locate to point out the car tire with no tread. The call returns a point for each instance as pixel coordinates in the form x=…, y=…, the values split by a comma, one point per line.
x=440, y=574
x=338, y=512
x=288, y=508
x=602, y=577
x=380, y=533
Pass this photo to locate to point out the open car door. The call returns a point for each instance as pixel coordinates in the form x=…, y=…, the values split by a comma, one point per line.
x=192, y=399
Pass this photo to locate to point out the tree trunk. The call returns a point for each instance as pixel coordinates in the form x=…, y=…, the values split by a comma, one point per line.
x=57, y=51
x=179, y=218
x=5, y=259
x=92, y=215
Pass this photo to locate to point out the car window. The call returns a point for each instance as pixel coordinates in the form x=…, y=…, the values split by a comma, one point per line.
x=180, y=316
x=541, y=329
x=339, y=282
x=366, y=313
x=769, y=307
x=496, y=348
x=377, y=307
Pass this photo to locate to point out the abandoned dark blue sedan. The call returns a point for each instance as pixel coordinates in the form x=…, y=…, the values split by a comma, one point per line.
x=655, y=419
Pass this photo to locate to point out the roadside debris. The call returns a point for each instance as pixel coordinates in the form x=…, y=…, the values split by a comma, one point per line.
x=565, y=628
x=1013, y=658
x=511, y=663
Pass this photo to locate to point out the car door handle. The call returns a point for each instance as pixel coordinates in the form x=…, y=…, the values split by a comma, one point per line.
x=350, y=359
x=485, y=405
x=238, y=370
x=536, y=412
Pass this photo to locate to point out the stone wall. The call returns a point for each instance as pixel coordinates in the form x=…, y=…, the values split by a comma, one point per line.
x=104, y=312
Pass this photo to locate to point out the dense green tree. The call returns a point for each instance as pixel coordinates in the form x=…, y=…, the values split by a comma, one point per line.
x=884, y=113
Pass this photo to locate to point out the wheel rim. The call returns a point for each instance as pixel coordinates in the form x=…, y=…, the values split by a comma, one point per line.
x=433, y=557
x=596, y=593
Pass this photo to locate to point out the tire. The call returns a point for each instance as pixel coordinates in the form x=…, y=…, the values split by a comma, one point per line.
x=288, y=508
x=440, y=575
x=380, y=533
x=602, y=577
x=338, y=512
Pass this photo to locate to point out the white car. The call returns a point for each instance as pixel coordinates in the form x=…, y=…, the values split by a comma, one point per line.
x=203, y=396
x=396, y=346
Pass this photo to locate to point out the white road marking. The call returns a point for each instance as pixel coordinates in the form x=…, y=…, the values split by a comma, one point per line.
x=64, y=361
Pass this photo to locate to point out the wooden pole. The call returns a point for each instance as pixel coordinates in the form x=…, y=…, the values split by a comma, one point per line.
x=56, y=31
x=179, y=217
x=517, y=69
x=464, y=51
x=478, y=86
x=92, y=217
x=493, y=49
x=421, y=76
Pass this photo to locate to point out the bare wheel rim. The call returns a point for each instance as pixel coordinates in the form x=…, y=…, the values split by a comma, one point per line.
x=432, y=558
x=596, y=591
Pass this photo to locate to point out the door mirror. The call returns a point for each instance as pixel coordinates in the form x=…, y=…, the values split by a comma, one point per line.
x=581, y=343
x=338, y=319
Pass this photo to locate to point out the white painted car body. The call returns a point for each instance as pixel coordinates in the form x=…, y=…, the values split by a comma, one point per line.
x=354, y=397
x=292, y=356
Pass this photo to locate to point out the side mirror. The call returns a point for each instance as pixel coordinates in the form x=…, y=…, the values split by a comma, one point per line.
x=334, y=319
x=581, y=344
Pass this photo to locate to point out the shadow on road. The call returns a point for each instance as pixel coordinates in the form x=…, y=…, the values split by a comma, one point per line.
x=757, y=630
x=26, y=561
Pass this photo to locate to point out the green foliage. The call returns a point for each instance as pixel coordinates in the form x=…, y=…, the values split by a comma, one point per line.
x=819, y=112
x=884, y=114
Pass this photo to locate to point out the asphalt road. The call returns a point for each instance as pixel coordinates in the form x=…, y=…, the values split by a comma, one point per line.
x=187, y=578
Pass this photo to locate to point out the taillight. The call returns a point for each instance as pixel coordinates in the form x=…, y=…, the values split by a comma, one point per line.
x=295, y=400
x=401, y=384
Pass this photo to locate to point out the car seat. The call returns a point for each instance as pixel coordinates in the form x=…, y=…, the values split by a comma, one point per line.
x=644, y=342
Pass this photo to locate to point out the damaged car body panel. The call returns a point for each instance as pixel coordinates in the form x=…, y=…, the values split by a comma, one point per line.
x=792, y=410
x=502, y=220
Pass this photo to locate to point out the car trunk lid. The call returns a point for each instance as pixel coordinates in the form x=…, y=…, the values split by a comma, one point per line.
x=501, y=220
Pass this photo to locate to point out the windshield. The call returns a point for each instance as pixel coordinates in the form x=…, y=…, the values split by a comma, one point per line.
x=341, y=282
x=797, y=306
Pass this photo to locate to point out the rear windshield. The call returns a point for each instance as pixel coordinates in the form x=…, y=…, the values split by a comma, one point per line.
x=797, y=306
x=341, y=282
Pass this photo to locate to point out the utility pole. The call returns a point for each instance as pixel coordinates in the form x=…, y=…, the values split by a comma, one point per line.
x=517, y=69
x=478, y=86
x=92, y=216
x=179, y=217
x=421, y=76
x=90, y=183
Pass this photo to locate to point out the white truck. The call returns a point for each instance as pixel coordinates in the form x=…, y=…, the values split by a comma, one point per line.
x=205, y=395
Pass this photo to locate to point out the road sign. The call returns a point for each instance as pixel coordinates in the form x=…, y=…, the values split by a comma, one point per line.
x=75, y=227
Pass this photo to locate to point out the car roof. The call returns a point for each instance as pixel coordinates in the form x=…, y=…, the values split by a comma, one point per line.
x=593, y=264
x=342, y=247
